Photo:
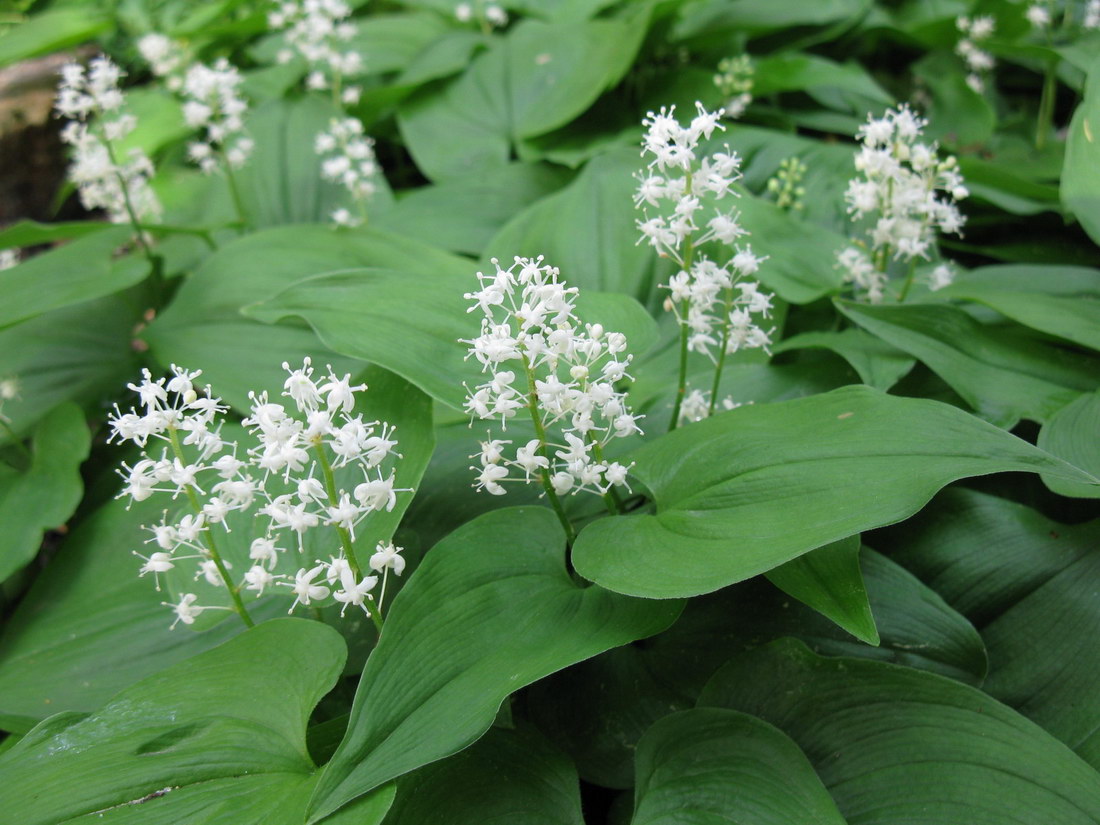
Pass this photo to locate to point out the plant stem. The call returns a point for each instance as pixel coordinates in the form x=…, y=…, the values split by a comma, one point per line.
x=235, y=193
x=544, y=472
x=1046, y=105
x=345, y=536
x=681, y=381
x=16, y=441
x=208, y=538
x=908, y=280
x=154, y=260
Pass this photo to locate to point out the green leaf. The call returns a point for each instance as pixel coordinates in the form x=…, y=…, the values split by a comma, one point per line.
x=1063, y=301
x=463, y=214
x=218, y=738
x=716, y=17
x=789, y=72
x=33, y=233
x=1003, y=373
x=1002, y=185
x=354, y=314
x=89, y=626
x=69, y=274
x=538, y=77
x=80, y=353
x=587, y=229
x=52, y=31
x=712, y=765
x=1030, y=585
x=204, y=321
x=957, y=115
x=829, y=580
x=1081, y=170
x=879, y=365
x=1072, y=434
x=897, y=745
x=391, y=41
x=44, y=494
x=725, y=487
x=490, y=610
x=506, y=776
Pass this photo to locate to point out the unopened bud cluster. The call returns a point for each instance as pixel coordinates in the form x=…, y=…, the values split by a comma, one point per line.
x=93, y=102
x=786, y=185
x=907, y=191
x=543, y=363
x=286, y=484
x=735, y=79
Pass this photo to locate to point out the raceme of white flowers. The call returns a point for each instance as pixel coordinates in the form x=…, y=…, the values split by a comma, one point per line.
x=213, y=103
x=543, y=363
x=906, y=191
x=719, y=306
x=166, y=57
x=95, y=106
x=735, y=79
x=285, y=484
x=1041, y=15
x=978, y=61
x=9, y=258
x=319, y=31
x=348, y=159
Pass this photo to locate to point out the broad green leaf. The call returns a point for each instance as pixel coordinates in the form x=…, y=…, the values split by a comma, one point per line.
x=758, y=16
x=711, y=765
x=36, y=498
x=445, y=56
x=159, y=120
x=32, y=233
x=897, y=745
x=367, y=314
x=508, y=776
x=389, y=42
x=1002, y=185
x=463, y=214
x=1073, y=433
x=879, y=365
x=1063, y=301
x=204, y=323
x=1029, y=584
x=1005, y=374
x=598, y=710
x=81, y=353
x=538, y=77
x=70, y=274
x=957, y=115
x=491, y=609
x=51, y=31
x=89, y=626
x=1081, y=172
x=725, y=487
x=587, y=229
x=808, y=72
x=218, y=738
x=829, y=580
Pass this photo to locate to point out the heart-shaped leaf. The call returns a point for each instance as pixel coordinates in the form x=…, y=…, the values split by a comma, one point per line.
x=846, y=461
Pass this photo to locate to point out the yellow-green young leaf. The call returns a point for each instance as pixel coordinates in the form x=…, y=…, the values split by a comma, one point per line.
x=1073, y=433
x=491, y=609
x=217, y=739
x=35, y=498
x=507, y=776
x=1081, y=170
x=895, y=745
x=752, y=488
x=1004, y=374
x=711, y=765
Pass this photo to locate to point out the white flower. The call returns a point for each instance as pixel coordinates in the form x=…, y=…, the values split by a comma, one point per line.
x=348, y=159
x=305, y=589
x=1038, y=15
x=186, y=610
x=9, y=258
x=318, y=31
x=387, y=556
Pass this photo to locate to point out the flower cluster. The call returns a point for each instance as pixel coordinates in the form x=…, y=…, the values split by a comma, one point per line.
x=94, y=104
x=680, y=184
x=1038, y=15
x=697, y=406
x=735, y=79
x=979, y=62
x=9, y=258
x=907, y=191
x=166, y=58
x=1091, y=19
x=286, y=485
x=488, y=15
x=786, y=184
x=9, y=390
x=319, y=31
x=541, y=360
x=212, y=102
x=348, y=159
